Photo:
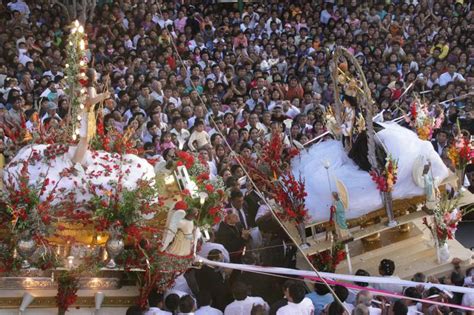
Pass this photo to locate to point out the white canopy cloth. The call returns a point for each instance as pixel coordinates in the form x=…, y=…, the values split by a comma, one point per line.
x=402, y=143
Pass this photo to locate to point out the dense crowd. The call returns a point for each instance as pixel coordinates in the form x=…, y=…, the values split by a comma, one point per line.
x=205, y=78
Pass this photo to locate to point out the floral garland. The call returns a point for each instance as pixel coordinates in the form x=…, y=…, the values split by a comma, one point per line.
x=328, y=260
x=387, y=177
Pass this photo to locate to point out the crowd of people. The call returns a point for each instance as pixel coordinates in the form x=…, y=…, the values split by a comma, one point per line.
x=219, y=294
x=210, y=79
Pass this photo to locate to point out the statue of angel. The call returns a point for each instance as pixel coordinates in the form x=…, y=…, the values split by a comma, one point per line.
x=423, y=177
x=180, y=232
x=338, y=211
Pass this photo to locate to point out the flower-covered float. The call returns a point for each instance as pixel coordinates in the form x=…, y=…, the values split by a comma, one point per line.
x=82, y=203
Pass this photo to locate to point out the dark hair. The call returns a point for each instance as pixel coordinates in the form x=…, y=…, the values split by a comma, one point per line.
x=204, y=298
x=362, y=272
x=231, y=181
x=172, y=302
x=214, y=254
x=239, y=291
x=297, y=292
x=134, y=310
x=186, y=304
x=341, y=292
x=321, y=289
x=400, y=308
x=387, y=266
x=236, y=194
x=335, y=309
x=412, y=292
x=154, y=298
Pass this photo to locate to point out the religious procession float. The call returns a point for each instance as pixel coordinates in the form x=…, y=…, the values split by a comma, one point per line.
x=84, y=221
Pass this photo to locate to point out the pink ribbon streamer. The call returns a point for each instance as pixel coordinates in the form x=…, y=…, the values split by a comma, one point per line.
x=390, y=294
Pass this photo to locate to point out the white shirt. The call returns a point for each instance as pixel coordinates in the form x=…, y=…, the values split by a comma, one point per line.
x=468, y=299
x=305, y=307
x=393, y=288
x=208, y=246
x=244, y=307
x=207, y=310
x=445, y=78
x=19, y=6
x=156, y=311
x=181, y=285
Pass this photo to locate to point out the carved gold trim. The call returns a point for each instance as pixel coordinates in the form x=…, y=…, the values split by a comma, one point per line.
x=82, y=301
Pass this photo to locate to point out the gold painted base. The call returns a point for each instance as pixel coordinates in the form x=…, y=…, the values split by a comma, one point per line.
x=372, y=238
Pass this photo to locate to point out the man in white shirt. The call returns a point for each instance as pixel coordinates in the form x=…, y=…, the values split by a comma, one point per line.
x=155, y=303
x=243, y=303
x=450, y=76
x=298, y=304
x=182, y=135
x=386, y=269
x=204, y=302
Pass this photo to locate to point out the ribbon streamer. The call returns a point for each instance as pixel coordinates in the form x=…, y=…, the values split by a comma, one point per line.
x=334, y=276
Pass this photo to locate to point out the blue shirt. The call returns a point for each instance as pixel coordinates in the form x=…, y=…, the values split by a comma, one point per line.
x=319, y=301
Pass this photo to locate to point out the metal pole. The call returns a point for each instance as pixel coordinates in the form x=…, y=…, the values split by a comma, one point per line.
x=348, y=257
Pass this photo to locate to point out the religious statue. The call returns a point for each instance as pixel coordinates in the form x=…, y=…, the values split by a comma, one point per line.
x=180, y=232
x=423, y=177
x=338, y=214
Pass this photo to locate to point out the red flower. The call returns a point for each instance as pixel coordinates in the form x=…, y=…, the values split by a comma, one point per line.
x=209, y=188
x=181, y=205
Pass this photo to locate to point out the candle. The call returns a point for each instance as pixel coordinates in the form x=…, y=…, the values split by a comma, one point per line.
x=70, y=262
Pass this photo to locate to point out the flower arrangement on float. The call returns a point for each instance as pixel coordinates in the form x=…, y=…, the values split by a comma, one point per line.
x=328, y=260
x=444, y=222
x=461, y=153
x=209, y=193
x=386, y=178
x=421, y=120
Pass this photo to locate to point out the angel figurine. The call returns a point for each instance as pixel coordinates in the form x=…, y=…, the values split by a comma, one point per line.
x=423, y=177
x=179, y=236
x=338, y=211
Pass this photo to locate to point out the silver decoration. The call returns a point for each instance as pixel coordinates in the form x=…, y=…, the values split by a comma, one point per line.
x=25, y=248
x=114, y=247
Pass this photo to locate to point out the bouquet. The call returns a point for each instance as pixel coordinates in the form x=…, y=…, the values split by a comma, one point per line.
x=387, y=177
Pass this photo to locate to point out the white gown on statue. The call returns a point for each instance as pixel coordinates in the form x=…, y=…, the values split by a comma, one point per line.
x=401, y=143
x=98, y=168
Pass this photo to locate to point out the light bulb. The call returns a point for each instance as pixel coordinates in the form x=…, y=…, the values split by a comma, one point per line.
x=71, y=44
x=76, y=23
x=81, y=106
x=80, y=29
x=73, y=30
x=74, y=137
x=78, y=131
x=82, y=63
x=79, y=117
x=82, y=44
x=67, y=65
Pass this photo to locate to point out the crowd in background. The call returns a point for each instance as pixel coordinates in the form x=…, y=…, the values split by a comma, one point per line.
x=204, y=77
